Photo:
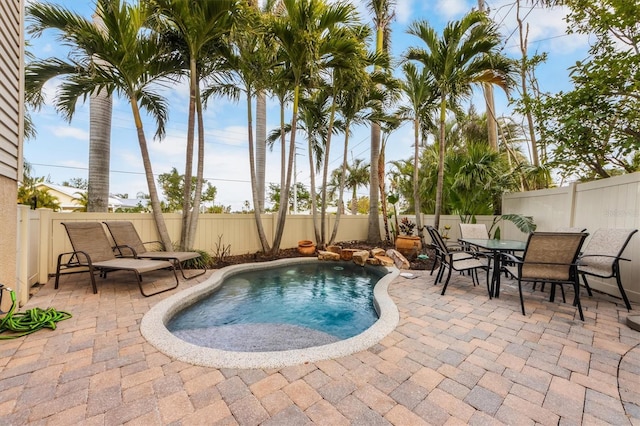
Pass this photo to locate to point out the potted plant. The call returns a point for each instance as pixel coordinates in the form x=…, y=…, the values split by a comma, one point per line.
x=407, y=244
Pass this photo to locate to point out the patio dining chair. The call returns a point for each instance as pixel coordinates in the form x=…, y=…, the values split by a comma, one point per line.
x=92, y=252
x=458, y=260
x=602, y=255
x=129, y=243
x=549, y=257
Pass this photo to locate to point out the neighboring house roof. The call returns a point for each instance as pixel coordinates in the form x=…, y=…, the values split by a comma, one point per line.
x=66, y=195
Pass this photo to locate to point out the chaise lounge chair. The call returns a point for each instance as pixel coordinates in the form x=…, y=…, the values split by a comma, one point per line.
x=92, y=252
x=129, y=243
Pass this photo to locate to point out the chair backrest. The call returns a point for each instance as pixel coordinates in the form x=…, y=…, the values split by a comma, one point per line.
x=90, y=238
x=437, y=239
x=474, y=230
x=607, y=242
x=551, y=255
x=124, y=234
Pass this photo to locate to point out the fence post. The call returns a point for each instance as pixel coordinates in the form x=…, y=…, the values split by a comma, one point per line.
x=22, y=258
x=45, y=245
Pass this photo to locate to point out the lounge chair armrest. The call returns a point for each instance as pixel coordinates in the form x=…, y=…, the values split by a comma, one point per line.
x=120, y=251
x=160, y=243
x=74, y=254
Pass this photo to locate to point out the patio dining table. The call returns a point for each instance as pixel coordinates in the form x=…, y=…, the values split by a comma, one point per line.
x=497, y=248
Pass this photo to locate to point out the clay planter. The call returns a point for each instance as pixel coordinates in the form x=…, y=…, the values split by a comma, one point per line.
x=408, y=245
x=306, y=248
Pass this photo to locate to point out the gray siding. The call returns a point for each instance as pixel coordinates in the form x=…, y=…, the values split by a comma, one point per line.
x=11, y=88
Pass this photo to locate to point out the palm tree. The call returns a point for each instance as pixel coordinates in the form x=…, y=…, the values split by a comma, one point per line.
x=301, y=22
x=131, y=61
x=383, y=14
x=419, y=90
x=466, y=54
x=356, y=176
x=193, y=27
x=249, y=60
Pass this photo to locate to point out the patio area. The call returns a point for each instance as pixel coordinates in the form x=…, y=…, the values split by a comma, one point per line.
x=455, y=359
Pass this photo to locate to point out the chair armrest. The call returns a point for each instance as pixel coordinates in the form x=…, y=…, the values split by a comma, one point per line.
x=603, y=255
x=512, y=258
x=77, y=262
x=160, y=243
x=118, y=250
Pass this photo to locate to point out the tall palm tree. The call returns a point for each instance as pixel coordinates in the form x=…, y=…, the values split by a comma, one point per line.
x=301, y=22
x=383, y=14
x=419, y=89
x=269, y=7
x=193, y=27
x=249, y=59
x=131, y=62
x=466, y=54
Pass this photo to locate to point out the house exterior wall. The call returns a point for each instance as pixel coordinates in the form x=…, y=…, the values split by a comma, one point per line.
x=11, y=130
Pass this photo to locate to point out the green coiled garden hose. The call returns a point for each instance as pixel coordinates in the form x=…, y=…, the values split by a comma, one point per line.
x=23, y=323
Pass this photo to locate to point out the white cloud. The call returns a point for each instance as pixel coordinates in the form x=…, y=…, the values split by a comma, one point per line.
x=451, y=9
x=69, y=132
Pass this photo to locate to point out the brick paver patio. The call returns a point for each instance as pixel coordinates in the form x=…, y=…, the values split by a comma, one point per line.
x=453, y=359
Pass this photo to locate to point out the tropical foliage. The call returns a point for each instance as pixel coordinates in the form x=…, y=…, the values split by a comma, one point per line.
x=331, y=72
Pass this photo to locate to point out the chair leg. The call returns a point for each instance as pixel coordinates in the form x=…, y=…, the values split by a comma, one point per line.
x=576, y=288
x=139, y=278
x=586, y=284
x=446, y=283
x=191, y=276
x=433, y=266
x=521, y=298
x=622, y=292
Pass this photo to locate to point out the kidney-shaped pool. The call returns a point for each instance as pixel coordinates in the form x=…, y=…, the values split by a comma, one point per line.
x=273, y=314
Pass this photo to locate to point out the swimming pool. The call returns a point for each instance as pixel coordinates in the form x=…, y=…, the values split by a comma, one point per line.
x=154, y=324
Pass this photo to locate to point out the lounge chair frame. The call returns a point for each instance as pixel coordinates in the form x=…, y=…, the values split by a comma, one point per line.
x=129, y=244
x=92, y=252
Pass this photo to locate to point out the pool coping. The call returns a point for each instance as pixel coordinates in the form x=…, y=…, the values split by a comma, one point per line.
x=153, y=326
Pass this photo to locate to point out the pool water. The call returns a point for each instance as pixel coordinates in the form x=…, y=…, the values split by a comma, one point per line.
x=328, y=297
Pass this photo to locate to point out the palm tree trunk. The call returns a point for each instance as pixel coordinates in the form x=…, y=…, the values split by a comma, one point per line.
x=325, y=174
x=195, y=211
x=416, y=179
x=188, y=167
x=161, y=226
x=312, y=191
x=261, y=147
x=284, y=191
x=342, y=182
x=441, y=151
x=382, y=187
x=373, y=231
x=100, y=111
x=256, y=212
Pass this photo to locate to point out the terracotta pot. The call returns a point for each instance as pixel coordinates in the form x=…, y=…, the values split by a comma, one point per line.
x=408, y=245
x=306, y=248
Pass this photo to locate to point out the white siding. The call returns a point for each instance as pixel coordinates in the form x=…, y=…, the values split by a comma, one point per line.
x=11, y=88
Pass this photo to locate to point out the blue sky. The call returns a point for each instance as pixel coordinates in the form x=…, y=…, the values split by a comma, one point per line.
x=60, y=150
